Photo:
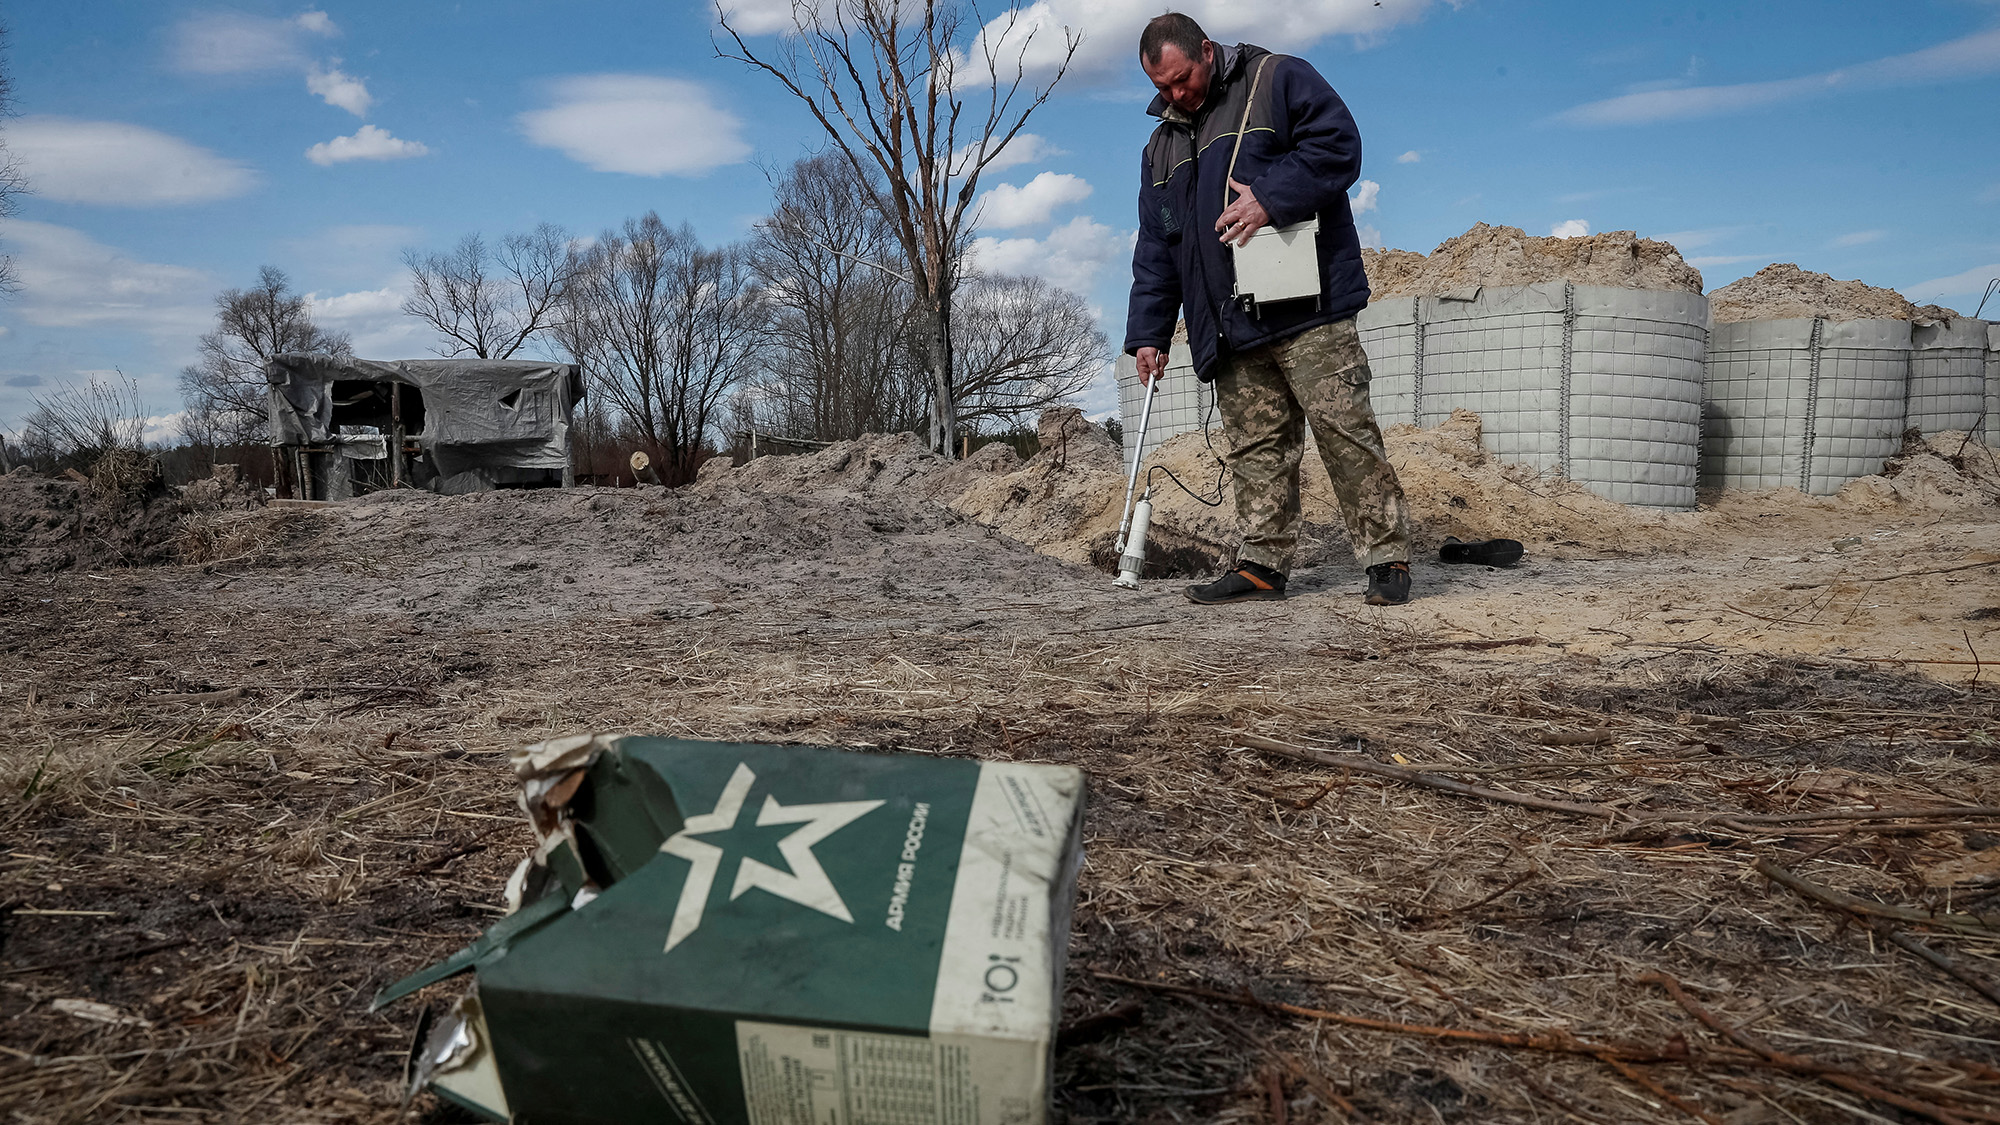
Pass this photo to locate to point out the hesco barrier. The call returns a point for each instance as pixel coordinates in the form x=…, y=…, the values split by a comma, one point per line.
x=1182, y=403
x=1806, y=403
x=1600, y=384
x=1947, y=389
x=1993, y=385
x=1389, y=335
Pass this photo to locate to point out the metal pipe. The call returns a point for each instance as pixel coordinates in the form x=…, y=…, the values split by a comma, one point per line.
x=1138, y=455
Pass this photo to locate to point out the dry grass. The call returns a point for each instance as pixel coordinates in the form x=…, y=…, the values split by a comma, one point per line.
x=242, y=873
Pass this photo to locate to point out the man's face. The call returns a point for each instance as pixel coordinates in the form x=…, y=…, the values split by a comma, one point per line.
x=1181, y=80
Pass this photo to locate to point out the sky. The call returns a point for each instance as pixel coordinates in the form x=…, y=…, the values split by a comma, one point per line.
x=174, y=148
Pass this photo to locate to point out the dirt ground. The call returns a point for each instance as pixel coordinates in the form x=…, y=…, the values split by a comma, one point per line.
x=242, y=794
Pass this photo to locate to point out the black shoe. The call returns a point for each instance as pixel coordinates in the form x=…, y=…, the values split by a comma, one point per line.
x=1481, y=552
x=1248, y=582
x=1388, y=583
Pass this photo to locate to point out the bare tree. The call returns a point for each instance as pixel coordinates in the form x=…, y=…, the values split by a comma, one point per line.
x=490, y=303
x=1023, y=346
x=225, y=389
x=838, y=365
x=80, y=423
x=664, y=328
x=12, y=182
x=891, y=83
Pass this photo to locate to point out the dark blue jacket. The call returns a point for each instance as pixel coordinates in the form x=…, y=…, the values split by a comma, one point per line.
x=1301, y=152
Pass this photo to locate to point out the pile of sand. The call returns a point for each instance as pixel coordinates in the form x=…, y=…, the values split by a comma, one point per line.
x=1389, y=271
x=1069, y=508
x=1784, y=291
x=1500, y=256
x=49, y=524
x=1945, y=472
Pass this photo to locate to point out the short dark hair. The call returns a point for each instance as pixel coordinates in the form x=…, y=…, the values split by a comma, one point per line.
x=1171, y=30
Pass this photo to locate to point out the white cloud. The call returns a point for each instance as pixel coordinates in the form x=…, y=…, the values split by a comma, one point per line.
x=1006, y=206
x=1025, y=148
x=1366, y=195
x=339, y=89
x=374, y=319
x=367, y=143
x=638, y=124
x=1410, y=157
x=1569, y=228
x=1071, y=256
x=1860, y=238
x=1967, y=57
x=230, y=43
x=1972, y=283
x=317, y=22
x=69, y=280
x=163, y=429
x=760, y=17
x=1110, y=28
x=1371, y=238
x=110, y=163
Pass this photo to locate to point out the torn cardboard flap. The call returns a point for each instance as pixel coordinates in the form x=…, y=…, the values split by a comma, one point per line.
x=767, y=934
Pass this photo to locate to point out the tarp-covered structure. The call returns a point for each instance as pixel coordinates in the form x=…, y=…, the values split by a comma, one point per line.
x=344, y=425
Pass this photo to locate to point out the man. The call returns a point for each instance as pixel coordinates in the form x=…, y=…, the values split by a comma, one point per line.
x=1283, y=365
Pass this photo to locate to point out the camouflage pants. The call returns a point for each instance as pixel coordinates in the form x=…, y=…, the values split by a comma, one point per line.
x=1267, y=396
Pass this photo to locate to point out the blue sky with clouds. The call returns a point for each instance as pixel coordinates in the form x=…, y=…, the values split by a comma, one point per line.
x=175, y=147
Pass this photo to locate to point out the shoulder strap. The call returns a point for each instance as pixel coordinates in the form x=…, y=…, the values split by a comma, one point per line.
x=1249, y=99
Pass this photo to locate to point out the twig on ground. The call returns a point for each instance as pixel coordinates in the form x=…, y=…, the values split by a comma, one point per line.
x=1829, y=1074
x=1978, y=923
x=1417, y=777
x=1889, y=577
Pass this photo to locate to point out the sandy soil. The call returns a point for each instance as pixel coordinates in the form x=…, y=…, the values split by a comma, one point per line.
x=1783, y=290
x=1500, y=256
x=244, y=793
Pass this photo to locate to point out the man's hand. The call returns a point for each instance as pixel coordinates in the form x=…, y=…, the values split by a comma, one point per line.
x=1242, y=218
x=1152, y=364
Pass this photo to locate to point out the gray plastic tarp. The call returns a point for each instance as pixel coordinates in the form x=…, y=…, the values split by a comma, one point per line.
x=478, y=414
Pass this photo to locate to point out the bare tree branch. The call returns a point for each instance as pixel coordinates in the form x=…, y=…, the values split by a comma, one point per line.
x=893, y=95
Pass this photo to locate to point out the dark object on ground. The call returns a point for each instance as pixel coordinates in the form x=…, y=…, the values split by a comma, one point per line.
x=1249, y=581
x=1388, y=583
x=1481, y=552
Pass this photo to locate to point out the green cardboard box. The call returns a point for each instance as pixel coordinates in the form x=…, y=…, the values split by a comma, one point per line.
x=769, y=935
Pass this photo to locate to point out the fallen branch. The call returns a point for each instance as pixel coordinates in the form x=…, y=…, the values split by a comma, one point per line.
x=1429, y=646
x=1829, y=1074
x=1419, y=777
x=1577, y=737
x=1943, y=963
x=1873, y=814
x=1890, y=577
x=1297, y=1069
x=1977, y=923
x=1644, y=1082
x=226, y=695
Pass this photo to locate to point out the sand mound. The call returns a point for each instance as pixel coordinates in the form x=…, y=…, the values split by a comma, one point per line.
x=1942, y=472
x=1069, y=509
x=1508, y=256
x=1783, y=291
x=1389, y=270
x=119, y=515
